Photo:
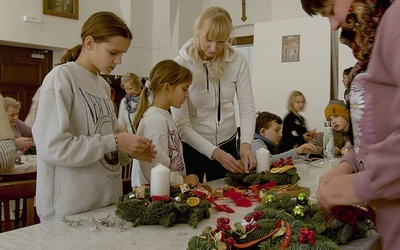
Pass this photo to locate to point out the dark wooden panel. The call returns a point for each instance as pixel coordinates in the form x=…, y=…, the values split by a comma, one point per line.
x=22, y=71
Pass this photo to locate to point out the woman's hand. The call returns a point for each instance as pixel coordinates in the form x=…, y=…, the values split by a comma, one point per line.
x=247, y=157
x=337, y=190
x=336, y=187
x=136, y=146
x=227, y=161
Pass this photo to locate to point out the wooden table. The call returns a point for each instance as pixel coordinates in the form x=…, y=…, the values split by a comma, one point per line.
x=59, y=235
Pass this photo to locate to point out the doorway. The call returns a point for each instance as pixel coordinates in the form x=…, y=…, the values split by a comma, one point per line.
x=22, y=71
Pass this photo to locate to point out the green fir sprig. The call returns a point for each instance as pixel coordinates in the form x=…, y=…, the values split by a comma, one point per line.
x=144, y=211
x=244, y=180
x=329, y=231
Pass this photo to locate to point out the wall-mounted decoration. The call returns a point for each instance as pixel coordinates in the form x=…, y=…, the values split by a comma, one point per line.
x=61, y=8
x=291, y=48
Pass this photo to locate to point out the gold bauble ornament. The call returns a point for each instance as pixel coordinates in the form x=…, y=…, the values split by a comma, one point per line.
x=302, y=199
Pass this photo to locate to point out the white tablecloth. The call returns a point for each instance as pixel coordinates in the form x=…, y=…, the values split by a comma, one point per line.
x=58, y=235
x=28, y=164
x=310, y=172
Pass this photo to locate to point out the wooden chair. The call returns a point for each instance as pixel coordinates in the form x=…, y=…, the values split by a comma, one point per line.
x=18, y=176
x=126, y=178
x=17, y=191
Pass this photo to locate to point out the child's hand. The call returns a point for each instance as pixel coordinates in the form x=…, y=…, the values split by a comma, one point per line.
x=24, y=142
x=147, y=155
x=136, y=146
x=338, y=151
x=306, y=148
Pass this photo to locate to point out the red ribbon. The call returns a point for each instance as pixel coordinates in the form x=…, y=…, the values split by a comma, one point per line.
x=238, y=198
x=224, y=208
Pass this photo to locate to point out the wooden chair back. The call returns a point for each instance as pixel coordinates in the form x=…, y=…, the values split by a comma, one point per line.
x=17, y=191
x=18, y=176
x=126, y=178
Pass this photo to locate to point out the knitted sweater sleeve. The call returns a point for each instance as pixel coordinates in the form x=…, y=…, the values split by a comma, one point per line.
x=380, y=179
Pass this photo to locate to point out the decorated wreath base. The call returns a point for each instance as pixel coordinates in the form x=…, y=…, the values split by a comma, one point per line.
x=288, y=224
x=166, y=210
x=282, y=172
x=244, y=180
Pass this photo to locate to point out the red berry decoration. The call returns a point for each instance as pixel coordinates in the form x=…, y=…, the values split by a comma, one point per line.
x=249, y=227
x=227, y=220
x=227, y=227
x=302, y=239
x=247, y=218
x=305, y=232
x=230, y=241
x=311, y=242
x=220, y=220
x=220, y=226
x=306, y=235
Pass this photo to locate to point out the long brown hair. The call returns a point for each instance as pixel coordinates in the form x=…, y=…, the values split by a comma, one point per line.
x=166, y=71
x=101, y=26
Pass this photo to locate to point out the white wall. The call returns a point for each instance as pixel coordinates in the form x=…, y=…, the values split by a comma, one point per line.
x=286, y=9
x=273, y=81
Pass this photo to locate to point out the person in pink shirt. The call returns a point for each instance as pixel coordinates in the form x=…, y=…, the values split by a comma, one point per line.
x=369, y=173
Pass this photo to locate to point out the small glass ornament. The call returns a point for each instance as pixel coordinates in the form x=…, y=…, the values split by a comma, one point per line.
x=269, y=198
x=298, y=211
x=302, y=199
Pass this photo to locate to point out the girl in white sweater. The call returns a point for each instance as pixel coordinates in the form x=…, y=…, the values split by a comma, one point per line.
x=76, y=130
x=169, y=83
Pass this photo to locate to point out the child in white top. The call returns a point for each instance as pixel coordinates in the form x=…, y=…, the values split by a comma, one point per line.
x=169, y=83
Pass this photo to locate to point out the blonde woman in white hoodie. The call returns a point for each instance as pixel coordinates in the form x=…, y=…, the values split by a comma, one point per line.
x=206, y=121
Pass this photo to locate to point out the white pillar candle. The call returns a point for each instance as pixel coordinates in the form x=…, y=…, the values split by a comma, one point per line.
x=159, y=180
x=262, y=157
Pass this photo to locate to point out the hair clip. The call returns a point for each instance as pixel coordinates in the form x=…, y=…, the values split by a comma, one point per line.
x=147, y=84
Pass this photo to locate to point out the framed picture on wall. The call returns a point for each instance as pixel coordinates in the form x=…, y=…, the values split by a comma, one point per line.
x=291, y=48
x=61, y=8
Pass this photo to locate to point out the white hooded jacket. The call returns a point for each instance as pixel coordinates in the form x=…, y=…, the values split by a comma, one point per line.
x=207, y=118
